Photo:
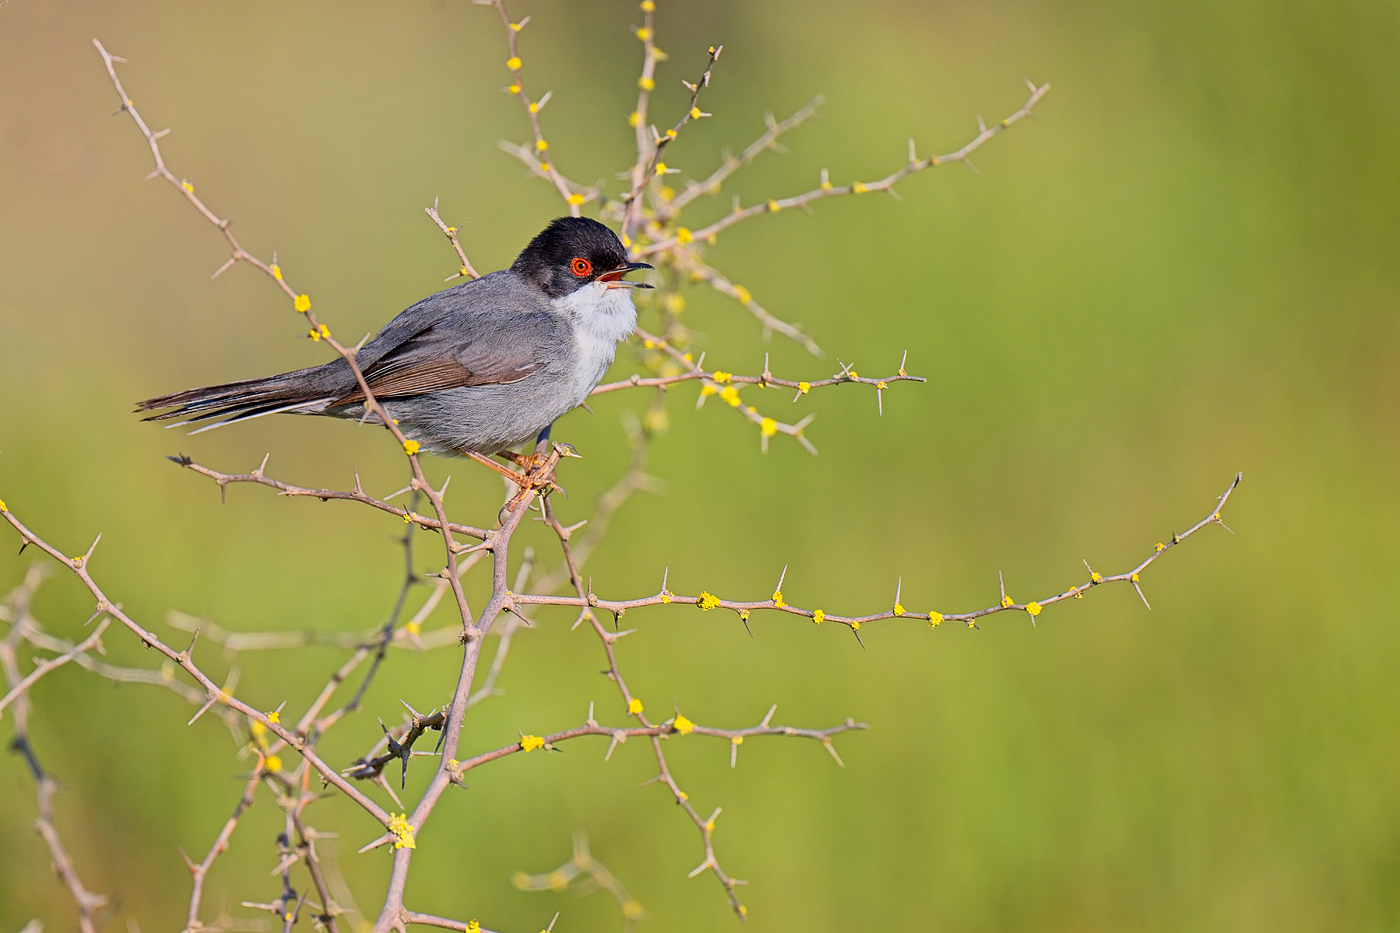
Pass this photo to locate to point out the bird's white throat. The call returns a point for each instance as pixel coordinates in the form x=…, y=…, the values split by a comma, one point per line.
x=602, y=317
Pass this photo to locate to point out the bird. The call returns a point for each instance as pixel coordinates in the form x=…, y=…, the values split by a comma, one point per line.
x=473, y=371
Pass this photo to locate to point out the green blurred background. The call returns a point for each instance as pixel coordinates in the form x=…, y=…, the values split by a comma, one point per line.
x=1185, y=267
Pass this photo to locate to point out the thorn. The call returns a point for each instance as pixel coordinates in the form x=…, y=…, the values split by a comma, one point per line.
x=832, y=748
x=1144, y=598
x=232, y=260
x=769, y=718
x=203, y=709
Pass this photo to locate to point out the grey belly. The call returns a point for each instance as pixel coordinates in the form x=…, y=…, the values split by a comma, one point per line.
x=486, y=419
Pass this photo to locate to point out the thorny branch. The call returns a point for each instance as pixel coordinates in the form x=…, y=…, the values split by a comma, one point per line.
x=649, y=213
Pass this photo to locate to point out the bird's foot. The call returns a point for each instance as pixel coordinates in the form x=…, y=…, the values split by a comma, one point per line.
x=537, y=471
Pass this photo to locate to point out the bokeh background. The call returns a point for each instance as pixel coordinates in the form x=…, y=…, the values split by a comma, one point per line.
x=1185, y=267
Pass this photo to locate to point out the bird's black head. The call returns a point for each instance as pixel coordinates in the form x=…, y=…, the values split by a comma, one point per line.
x=573, y=252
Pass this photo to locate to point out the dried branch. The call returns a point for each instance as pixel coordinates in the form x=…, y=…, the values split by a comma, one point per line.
x=597, y=877
x=778, y=603
x=828, y=190
x=466, y=270
x=87, y=903
x=574, y=195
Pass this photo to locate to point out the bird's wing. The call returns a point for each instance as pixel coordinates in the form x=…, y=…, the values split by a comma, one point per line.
x=463, y=351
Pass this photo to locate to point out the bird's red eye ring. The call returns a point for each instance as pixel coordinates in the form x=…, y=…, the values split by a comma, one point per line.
x=581, y=267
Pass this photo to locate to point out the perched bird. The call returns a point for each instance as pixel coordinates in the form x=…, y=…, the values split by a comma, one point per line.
x=474, y=370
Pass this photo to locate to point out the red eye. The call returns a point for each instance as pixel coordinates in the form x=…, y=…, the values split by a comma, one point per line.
x=581, y=267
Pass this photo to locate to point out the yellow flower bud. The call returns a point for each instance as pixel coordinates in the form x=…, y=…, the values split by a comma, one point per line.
x=634, y=706
x=513, y=63
x=302, y=303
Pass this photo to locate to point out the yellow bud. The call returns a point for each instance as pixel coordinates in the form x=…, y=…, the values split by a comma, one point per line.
x=695, y=113
x=541, y=145
x=534, y=106
x=674, y=302
x=529, y=743
x=804, y=387
x=855, y=626
x=778, y=599
x=276, y=272
x=513, y=63
x=1007, y=602
x=818, y=617
x=773, y=206
x=188, y=186
x=1033, y=609
x=413, y=628
x=858, y=187
x=272, y=764
x=648, y=6
x=899, y=609
x=632, y=118
x=646, y=84
x=661, y=168
x=575, y=198
x=274, y=716
x=644, y=34
x=683, y=235
x=3, y=507
x=634, y=706
x=768, y=427
x=738, y=740
x=671, y=134
x=682, y=725
x=730, y=395
x=935, y=619
x=514, y=89
x=411, y=447
x=302, y=303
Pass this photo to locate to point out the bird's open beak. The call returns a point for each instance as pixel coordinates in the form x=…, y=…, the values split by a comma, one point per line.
x=614, y=279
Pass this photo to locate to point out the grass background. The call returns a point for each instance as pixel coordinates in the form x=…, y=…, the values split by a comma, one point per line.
x=1186, y=266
